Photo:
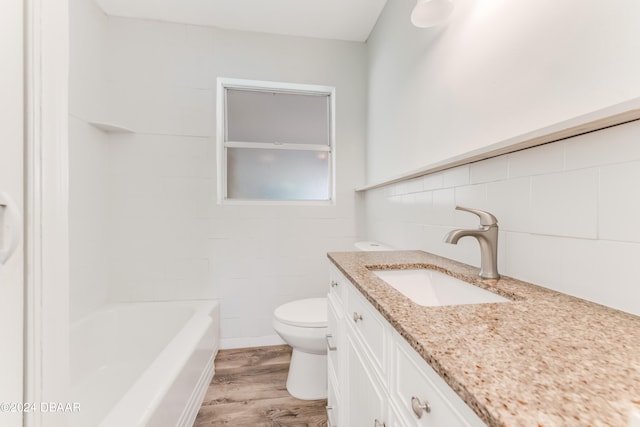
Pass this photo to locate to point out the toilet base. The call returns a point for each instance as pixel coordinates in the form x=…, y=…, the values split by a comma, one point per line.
x=307, y=379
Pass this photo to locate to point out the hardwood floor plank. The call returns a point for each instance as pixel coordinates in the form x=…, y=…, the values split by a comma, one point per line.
x=255, y=356
x=285, y=411
x=249, y=389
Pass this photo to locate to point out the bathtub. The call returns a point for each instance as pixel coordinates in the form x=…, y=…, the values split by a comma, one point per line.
x=143, y=364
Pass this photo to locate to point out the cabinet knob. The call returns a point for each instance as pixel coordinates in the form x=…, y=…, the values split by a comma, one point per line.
x=356, y=316
x=377, y=423
x=334, y=283
x=419, y=407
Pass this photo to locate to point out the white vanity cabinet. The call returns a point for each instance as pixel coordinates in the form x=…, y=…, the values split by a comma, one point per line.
x=375, y=378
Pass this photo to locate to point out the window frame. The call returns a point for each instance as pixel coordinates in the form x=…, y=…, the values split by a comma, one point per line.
x=222, y=144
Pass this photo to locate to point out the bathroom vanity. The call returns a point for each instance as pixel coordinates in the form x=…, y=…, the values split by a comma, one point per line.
x=537, y=358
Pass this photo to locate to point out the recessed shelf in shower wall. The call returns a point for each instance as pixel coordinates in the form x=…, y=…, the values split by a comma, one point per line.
x=110, y=127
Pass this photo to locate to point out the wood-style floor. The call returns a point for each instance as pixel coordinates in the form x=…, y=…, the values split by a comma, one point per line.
x=248, y=389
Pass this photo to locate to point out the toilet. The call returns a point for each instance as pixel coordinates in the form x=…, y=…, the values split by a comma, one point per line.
x=303, y=325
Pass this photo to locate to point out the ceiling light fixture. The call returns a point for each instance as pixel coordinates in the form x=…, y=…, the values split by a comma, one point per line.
x=429, y=13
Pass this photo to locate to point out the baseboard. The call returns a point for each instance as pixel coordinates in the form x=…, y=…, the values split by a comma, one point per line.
x=246, y=342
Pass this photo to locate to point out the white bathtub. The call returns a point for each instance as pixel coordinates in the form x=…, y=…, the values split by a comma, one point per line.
x=143, y=364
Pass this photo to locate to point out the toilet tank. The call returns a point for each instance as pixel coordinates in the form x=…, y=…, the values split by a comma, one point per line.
x=370, y=245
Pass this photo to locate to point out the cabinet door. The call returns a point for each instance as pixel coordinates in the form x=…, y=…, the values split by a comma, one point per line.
x=365, y=398
x=335, y=361
x=333, y=402
x=393, y=416
x=335, y=338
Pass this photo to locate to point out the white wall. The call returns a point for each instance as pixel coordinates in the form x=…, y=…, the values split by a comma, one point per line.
x=568, y=214
x=498, y=69
x=88, y=161
x=169, y=238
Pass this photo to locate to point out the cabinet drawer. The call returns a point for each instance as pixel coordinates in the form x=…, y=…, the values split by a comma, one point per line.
x=369, y=325
x=413, y=377
x=337, y=284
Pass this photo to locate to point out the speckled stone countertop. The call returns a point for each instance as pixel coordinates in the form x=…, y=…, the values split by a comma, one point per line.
x=544, y=359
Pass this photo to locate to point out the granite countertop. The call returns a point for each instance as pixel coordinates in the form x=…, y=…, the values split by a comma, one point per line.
x=543, y=359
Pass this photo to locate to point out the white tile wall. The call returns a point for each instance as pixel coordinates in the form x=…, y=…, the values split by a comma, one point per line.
x=158, y=222
x=89, y=212
x=164, y=235
x=568, y=213
x=89, y=209
x=620, y=202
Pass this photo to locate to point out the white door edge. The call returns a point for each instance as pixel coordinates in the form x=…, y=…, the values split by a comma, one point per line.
x=46, y=222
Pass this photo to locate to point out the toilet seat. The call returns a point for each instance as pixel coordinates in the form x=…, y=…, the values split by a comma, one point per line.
x=305, y=313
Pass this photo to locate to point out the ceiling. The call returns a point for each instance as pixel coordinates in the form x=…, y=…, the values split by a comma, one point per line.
x=328, y=19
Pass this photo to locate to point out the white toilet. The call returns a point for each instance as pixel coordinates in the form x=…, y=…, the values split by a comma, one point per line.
x=303, y=325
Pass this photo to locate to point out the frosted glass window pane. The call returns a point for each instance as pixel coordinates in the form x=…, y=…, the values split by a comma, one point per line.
x=254, y=116
x=264, y=174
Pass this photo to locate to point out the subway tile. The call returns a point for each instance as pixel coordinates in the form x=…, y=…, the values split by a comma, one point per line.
x=604, y=272
x=230, y=327
x=443, y=207
x=412, y=235
x=616, y=144
x=433, y=239
x=234, y=307
x=407, y=206
x=398, y=188
x=433, y=181
x=234, y=287
x=172, y=111
x=260, y=326
x=422, y=204
x=158, y=155
x=565, y=204
x=455, y=177
x=414, y=185
x=539, y=160
x=134, y=274
x=136, y=196
x=494, y=169
x=619, y=209
x=509, y=201
x=534, y=258
x=184, y=247
x=181, y=197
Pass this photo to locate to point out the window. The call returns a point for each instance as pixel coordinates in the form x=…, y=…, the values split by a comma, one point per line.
x=275, y=142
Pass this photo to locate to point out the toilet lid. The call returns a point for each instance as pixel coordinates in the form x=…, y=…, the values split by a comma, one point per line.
x=308, y=313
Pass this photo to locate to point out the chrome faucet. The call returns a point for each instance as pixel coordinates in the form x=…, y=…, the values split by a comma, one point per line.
x=487, y=236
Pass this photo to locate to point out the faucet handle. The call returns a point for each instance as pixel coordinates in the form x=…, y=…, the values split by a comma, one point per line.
x=485, y=217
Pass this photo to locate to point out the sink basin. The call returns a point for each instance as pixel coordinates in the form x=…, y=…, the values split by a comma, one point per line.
x=433, y=288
